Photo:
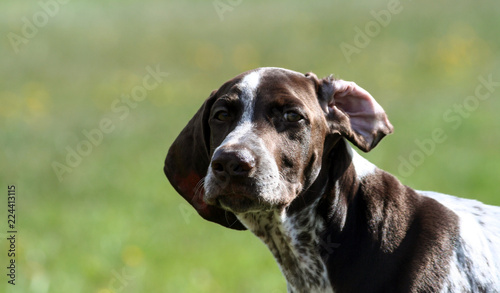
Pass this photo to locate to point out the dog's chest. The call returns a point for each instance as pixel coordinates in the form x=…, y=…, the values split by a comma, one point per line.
x=295, y=243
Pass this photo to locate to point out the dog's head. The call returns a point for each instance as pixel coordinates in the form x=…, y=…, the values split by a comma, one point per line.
x=258, y=141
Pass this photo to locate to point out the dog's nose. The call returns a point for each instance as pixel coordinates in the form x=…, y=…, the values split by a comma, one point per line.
x=232, y=164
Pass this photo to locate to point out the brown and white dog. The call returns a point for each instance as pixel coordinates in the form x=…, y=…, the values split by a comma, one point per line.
x=267, y=152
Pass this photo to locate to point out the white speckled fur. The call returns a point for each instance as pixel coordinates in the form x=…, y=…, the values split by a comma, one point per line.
x=299, y=259
x=475, y=266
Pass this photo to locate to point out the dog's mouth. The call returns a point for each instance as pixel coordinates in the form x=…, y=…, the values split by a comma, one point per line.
x=239, y=203
x=243, y=197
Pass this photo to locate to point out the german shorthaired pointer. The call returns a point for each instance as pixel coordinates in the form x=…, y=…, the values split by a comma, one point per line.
x=267, y=152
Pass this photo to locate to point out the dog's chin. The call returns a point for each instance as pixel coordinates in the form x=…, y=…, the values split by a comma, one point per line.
x=240, y=204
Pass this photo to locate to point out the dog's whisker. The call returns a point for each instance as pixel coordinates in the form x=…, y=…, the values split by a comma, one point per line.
x=198, y=189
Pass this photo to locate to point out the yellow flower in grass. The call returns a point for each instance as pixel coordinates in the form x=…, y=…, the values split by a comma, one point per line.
x=132, y=255
x=461, y=48
x=37, y=99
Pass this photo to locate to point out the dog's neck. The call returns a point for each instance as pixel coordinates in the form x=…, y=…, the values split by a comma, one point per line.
x=294, y=241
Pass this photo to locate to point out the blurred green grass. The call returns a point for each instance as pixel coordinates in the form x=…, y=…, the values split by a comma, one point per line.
x=114, y=224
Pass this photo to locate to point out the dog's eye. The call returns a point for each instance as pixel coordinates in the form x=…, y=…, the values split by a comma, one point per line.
x=291, y=116
x=222, y=115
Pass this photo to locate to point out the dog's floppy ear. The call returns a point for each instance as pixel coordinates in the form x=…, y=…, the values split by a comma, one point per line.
x=352, y=112
x=187, y=163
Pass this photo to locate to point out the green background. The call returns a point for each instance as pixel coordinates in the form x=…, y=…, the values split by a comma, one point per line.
x=113, y=223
